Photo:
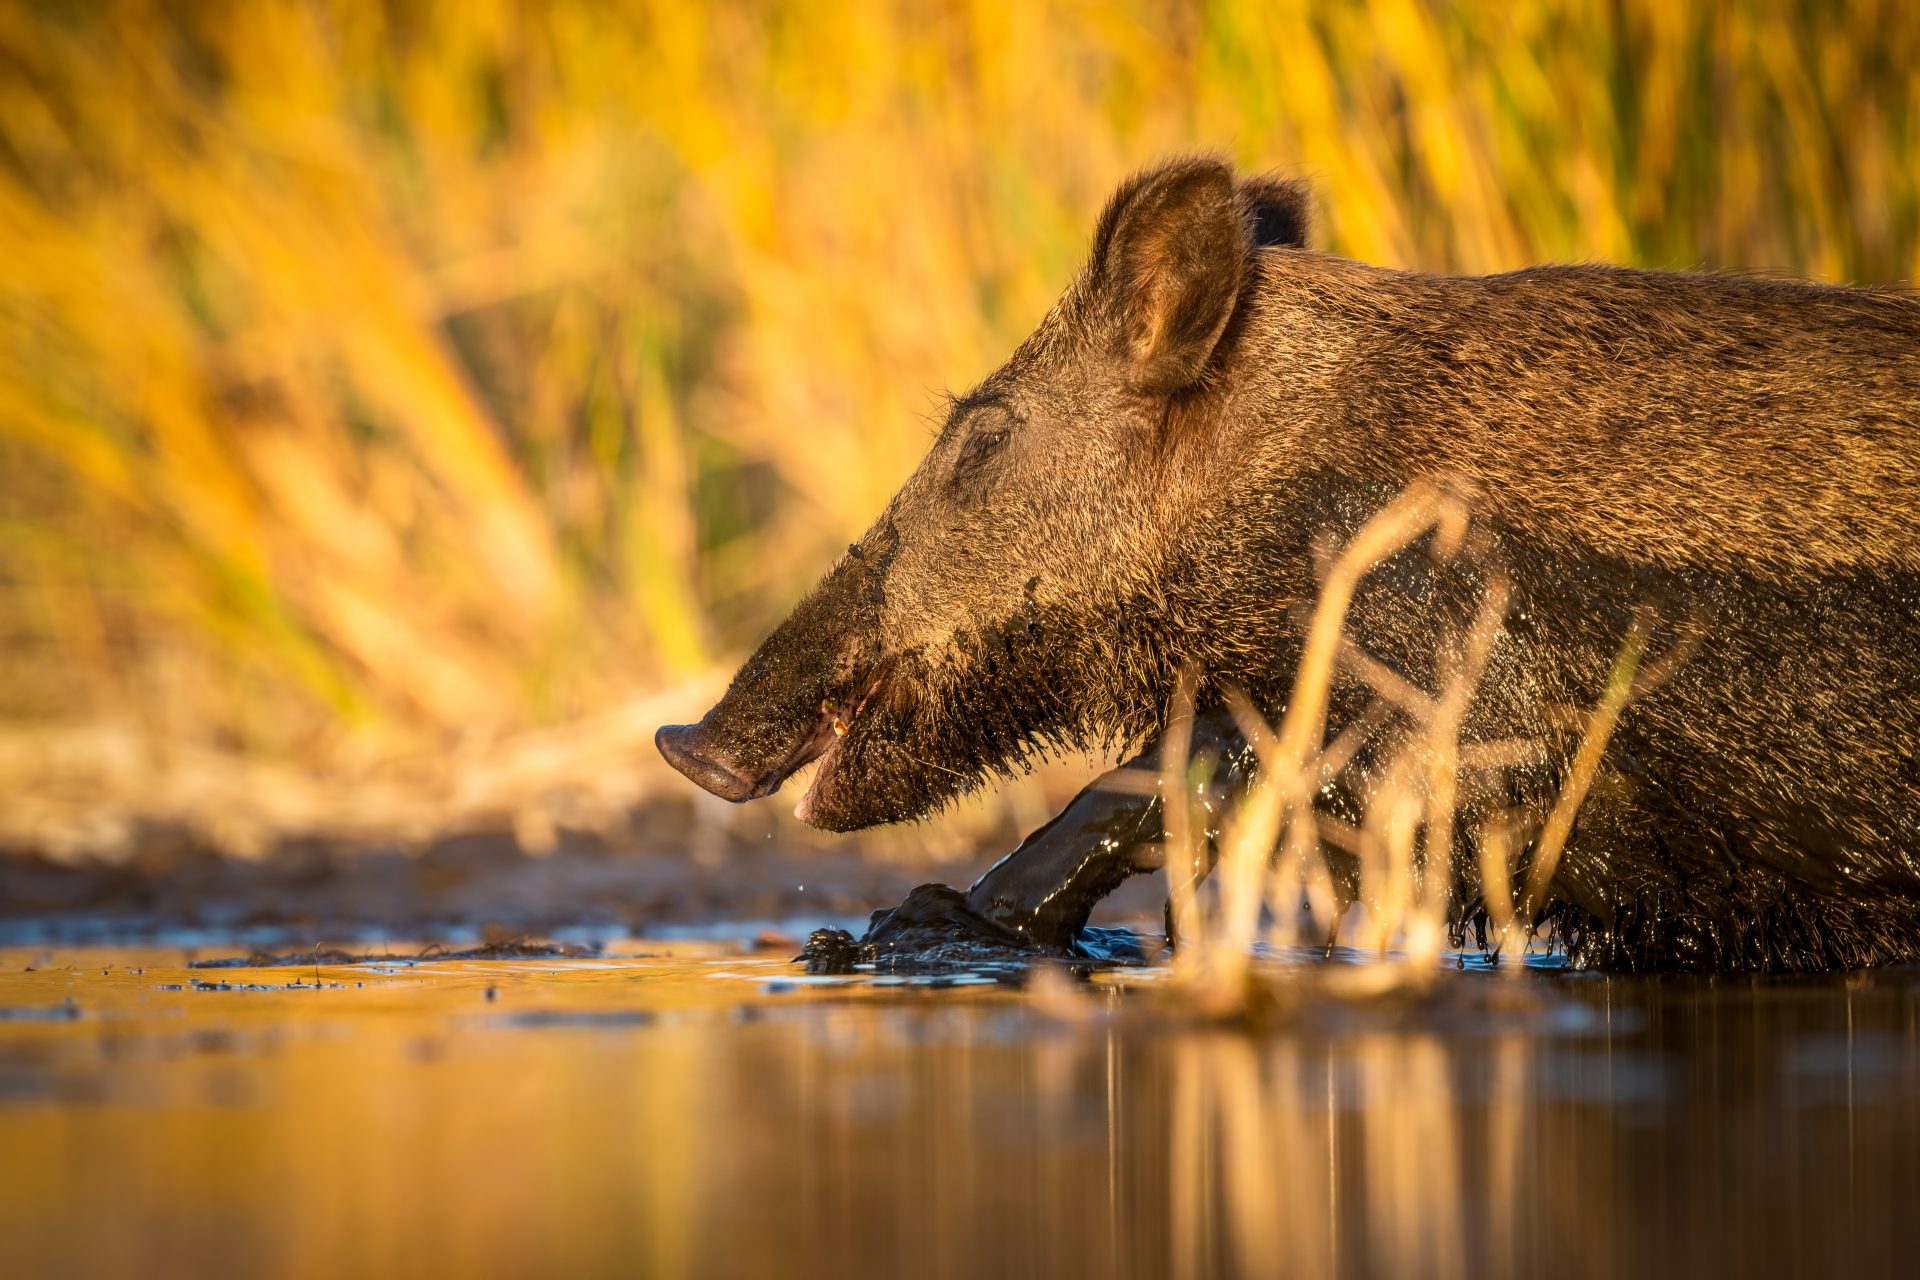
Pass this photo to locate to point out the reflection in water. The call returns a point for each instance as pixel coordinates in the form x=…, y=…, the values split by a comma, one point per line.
x=1379, y=1159
x=700, y=1115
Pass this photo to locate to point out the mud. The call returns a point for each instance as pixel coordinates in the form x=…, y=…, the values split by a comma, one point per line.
x=460, y=891
x=937, y=928
x=513, y=949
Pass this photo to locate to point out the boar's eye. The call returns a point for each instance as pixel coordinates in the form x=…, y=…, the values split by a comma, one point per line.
x=988, y=422
x=980, y=446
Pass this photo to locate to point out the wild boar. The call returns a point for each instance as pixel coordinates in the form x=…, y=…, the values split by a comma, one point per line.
x=1141, y=487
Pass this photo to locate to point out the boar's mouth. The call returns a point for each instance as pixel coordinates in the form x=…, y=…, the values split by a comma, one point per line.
x=696, y=750
x=858, y=781
x=827, y=742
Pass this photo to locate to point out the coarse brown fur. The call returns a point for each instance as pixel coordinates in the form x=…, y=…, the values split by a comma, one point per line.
x=1144, y=482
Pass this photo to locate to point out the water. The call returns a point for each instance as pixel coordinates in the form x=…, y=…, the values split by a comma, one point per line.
x=686, y=1109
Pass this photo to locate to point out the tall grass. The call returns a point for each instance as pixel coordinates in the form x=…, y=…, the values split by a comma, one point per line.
x=382, y=385
x=1265, y=850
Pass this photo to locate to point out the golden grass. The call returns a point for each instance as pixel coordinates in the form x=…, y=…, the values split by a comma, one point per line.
x=1268, y=846
x=385, y=385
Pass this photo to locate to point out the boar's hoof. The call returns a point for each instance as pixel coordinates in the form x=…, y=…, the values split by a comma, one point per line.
x=935, y=929
x=932, y=929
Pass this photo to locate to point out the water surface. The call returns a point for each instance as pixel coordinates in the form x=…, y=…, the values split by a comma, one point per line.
x=686, y=1109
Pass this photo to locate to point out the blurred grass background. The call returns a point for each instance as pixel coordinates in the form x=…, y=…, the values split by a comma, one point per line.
x=404, y=408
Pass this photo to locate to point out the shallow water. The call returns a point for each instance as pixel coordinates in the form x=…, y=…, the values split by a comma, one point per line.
x=686, y=1109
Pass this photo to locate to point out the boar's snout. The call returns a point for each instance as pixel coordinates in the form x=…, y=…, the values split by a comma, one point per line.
x=799, y=698
x=686, y=749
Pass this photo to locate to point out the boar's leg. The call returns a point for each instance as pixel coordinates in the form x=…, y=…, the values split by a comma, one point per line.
x=1046, y=888
x=1035, y=901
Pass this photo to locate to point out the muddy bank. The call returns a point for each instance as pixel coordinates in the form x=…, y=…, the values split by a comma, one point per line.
x=457, y=889
x=463, y=890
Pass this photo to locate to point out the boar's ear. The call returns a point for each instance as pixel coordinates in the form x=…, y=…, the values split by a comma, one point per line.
x=1280, y=211
x=1168, y=257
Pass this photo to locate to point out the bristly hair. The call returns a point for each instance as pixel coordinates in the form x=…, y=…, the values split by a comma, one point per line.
x=998, y=700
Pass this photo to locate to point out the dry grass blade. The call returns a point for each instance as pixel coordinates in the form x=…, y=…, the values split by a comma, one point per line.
x=1214, y=964
x=1548, y=845
x=1183, y=837
x=1442, y=751
x=1272, y=840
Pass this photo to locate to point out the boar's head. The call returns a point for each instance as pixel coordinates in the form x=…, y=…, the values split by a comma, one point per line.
x=1012, y=597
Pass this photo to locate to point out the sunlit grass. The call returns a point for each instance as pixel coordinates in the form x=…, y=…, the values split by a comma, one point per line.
x=1255, y=869
x=379, y=387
